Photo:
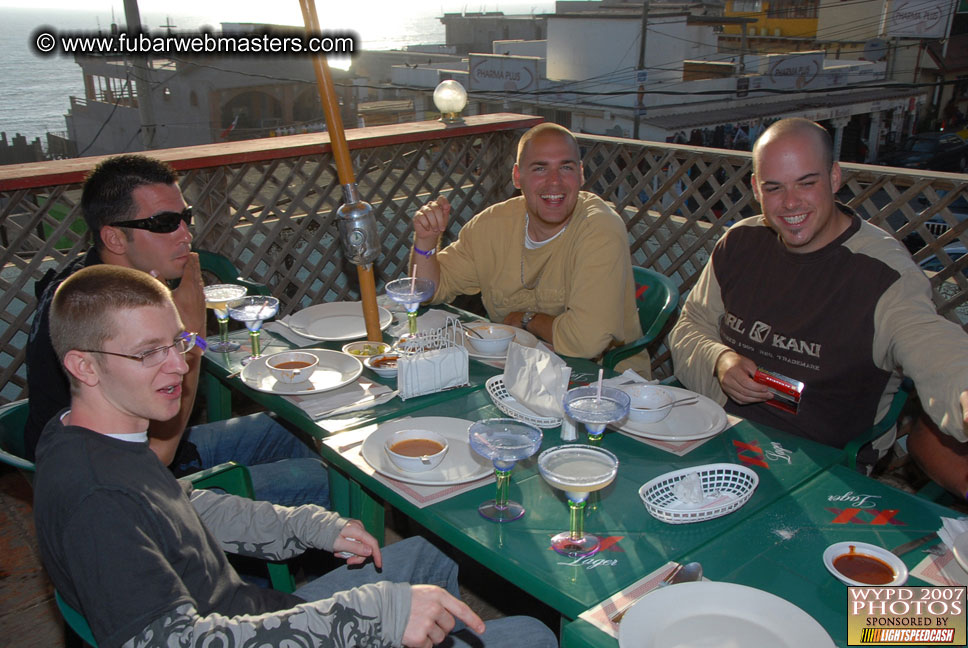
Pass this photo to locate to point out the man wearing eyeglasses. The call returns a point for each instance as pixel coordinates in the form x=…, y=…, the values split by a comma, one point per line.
x=141, y=554
x=138, y=219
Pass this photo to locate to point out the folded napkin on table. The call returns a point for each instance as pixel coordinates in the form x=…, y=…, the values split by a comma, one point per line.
x=359, y=394
x=601, y=615
x=536, y=378
x=629, y=377
x=943, y=569
x=281, y=328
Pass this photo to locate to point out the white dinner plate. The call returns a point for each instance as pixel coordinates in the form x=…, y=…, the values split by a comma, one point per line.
x=959, y=547
x=867, y=549
x=335, y=321
x=460, y=465
x=702, y=419
x=334, y=370
x=723, y=615
x=522, y=337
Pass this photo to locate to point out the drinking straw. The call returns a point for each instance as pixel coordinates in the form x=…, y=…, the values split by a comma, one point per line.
x=598, y=396
x=413, y=280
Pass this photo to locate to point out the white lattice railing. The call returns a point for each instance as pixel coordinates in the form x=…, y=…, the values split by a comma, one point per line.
x=269, y=206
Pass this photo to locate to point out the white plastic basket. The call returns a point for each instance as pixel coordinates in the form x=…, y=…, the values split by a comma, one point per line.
x=725, y=487
x=506, y=403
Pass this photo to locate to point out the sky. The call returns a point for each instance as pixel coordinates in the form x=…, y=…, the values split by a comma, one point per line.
x=287, y=11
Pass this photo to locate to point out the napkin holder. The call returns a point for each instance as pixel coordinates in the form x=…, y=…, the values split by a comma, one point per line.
x=432, y=361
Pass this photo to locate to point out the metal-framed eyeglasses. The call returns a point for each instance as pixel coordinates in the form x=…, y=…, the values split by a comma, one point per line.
x=163, y=223
x=184, y=342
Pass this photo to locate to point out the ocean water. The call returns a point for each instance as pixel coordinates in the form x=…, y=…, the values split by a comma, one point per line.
x=37, y=89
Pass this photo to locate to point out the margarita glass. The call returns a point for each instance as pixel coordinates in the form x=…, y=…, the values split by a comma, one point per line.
x=504, y=441
x=410, y=291
x=218, y=297
x=578, y=470
x=586, y=405
x=252, y=311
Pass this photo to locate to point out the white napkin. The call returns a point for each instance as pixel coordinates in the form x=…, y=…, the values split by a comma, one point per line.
x=537, y=379
x=951, y=528
x=432, y=371
x=627, y=378
x=358, y=394
x=279, y=327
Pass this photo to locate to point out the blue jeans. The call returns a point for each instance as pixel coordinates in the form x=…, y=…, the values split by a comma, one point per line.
x=284, y=470
x=416, y=561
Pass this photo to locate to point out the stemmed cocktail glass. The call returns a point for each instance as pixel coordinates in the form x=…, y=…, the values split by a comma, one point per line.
x=596, y=407
x=410, y=291
x=578, y=470
x=253, y=311
x=504, y=441
x=218, y=297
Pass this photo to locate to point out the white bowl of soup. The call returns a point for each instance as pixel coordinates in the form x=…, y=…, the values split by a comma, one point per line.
x=416, y=450
x=292, y=367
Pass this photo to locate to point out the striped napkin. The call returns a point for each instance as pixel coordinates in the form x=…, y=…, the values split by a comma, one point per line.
x=601, y=615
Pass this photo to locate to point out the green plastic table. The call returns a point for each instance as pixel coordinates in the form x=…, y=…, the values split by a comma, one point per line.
x=779, y=549
x=636, y=543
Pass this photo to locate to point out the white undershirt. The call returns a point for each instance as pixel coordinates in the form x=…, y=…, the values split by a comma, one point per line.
x=530, y=243
x=136, y=437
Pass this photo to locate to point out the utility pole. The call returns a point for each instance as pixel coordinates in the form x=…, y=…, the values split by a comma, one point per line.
x=142, y=74
x=640, y=96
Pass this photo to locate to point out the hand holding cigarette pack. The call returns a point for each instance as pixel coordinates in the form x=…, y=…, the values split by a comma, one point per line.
x=786, y=391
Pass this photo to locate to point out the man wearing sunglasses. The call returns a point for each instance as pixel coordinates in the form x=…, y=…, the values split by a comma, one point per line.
x=138, y=219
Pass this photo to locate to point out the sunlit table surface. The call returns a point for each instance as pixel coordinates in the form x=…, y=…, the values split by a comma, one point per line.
x=780, y=548
x=218, y=367
x=636, y=543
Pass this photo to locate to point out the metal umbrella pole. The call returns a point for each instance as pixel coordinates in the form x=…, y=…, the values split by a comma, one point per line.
x=357, y=225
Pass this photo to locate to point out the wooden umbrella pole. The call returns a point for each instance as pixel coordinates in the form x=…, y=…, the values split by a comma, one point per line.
x=344, y=166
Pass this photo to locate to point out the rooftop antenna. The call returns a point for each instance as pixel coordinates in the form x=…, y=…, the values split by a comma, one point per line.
x=168, y=25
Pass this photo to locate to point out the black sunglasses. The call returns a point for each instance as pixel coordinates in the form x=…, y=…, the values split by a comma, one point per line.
x=163, y=223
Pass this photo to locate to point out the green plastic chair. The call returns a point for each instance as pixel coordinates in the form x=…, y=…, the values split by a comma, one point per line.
x=226, y=272
x=882, y=426
x=656, y=297
x=234, y=478
x=75, y=620
x=13, y=418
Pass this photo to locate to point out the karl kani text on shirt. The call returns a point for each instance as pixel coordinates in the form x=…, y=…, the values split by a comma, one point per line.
x=762, y=333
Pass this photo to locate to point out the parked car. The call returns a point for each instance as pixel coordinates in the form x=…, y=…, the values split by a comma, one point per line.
x=954, y=251
x=934, y=151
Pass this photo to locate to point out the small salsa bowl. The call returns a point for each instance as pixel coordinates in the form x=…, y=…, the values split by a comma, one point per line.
x=879, y=558
x=383, y=365
x=363, y=349
x=292, y=367
x=494, y=338
x=416, y=450
x=649, y=403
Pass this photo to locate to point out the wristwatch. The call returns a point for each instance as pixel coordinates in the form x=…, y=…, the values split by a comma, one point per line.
x=526, y=319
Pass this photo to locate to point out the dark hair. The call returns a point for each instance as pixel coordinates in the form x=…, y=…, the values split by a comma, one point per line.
x=107, y=195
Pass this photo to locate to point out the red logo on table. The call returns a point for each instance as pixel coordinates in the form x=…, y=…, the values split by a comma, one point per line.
x=750, y=453
x=865, y=516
